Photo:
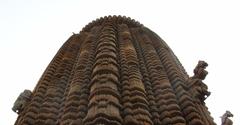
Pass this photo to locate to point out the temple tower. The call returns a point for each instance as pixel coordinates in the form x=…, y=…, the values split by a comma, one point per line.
x=116, y=72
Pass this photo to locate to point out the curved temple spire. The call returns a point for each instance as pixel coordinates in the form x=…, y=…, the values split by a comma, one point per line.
x=116, y=72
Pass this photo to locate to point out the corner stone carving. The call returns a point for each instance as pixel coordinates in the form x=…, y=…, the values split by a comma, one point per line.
x=225, y=118
x=21, y=101
x=199, y=89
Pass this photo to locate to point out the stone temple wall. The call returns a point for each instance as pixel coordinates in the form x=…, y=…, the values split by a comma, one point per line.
x=115, y=72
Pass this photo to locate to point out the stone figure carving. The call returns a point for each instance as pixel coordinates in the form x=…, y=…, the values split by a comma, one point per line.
x=199, y=71
x=197, y=87
x=225, y=118
x=21, y=101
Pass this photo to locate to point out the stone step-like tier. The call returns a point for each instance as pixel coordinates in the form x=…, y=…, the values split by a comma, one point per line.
x=114, y=72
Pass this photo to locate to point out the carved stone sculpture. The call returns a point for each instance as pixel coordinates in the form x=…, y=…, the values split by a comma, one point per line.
x=225, y=118
x=21, y=101
x=198, y=88
x=199, y=71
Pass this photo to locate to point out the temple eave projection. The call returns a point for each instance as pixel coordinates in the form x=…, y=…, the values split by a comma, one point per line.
x=116, y=72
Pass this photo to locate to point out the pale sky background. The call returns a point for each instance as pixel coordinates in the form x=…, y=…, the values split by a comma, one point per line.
x=32, y=31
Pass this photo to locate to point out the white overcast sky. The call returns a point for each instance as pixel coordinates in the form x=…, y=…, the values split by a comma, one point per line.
x=32, y=31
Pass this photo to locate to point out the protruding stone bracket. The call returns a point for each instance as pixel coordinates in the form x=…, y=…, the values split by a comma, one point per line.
x=225, y=118
x=21, y=101
x=199, y=89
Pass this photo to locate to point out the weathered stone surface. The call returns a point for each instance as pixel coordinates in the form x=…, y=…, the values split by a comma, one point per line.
x=117, y=72
x=22, y=101
x=225, y=118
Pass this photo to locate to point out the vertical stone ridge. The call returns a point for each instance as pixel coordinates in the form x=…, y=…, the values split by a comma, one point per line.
x=157, y=40
x=135, y=104
x=166, y=100
x=104, y=106
x=75, y=107
x=185, y=101
x=77, y=44
x=178, y=83
x=207, y=119
x=53, y=98
x=146, y=80
x=30, y=113
x=206, y=113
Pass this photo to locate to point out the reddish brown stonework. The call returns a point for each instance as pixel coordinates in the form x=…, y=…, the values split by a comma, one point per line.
x=117, y=72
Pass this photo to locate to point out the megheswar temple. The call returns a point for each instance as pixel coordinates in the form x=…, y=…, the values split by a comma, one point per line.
x=116, y=71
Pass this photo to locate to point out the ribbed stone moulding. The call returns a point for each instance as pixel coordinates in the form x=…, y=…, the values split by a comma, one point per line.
x=114, y=72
